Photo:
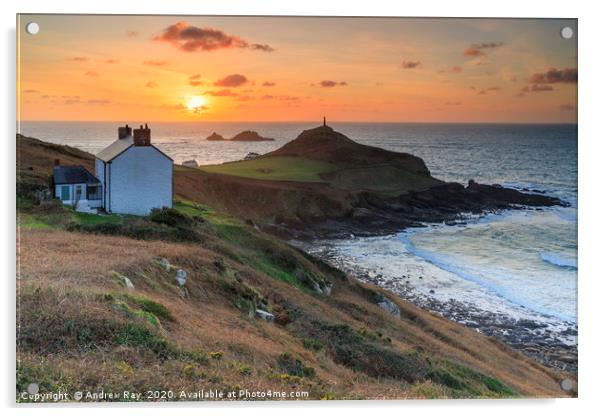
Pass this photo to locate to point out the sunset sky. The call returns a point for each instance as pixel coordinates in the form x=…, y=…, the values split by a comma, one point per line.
x=188, y=68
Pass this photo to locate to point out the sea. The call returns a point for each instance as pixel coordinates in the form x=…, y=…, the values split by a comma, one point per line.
x=520, y=263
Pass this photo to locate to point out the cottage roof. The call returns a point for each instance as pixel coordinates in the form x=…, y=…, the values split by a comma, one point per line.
x=73, y=174
x=118, y=147
x=115, y=149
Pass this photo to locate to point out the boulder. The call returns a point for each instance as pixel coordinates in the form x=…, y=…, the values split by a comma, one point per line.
x=389, y=306
x=181, y=277
x=266, y=316
x=127, y=282
x=165, y=263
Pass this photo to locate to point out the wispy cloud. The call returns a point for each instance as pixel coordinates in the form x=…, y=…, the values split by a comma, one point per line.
x=151, y=84
x=155, y=63
x=453, y=70
x=221, y=93
x=195, y=80
x=537, y=88
x=329, y=83
x=190, y=38
x=555, y=76
x=280, y=97
x=480, y=49
x=410, y=64
x=234, y=80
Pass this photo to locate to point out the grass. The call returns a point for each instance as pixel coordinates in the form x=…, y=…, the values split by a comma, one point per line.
x=94, y=219
x=277, y=168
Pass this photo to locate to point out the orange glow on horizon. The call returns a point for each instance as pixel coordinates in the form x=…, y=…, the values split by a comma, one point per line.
x=293, y=69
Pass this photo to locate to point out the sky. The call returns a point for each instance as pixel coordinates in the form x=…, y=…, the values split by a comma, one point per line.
x=201, y=68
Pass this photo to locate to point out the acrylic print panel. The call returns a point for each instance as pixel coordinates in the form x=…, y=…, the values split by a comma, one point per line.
x=296, y=208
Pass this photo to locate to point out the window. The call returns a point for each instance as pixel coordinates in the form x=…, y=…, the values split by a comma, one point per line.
x=94, y=192
x=65, y=192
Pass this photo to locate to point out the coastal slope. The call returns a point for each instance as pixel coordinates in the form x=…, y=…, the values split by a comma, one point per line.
x=101, y=307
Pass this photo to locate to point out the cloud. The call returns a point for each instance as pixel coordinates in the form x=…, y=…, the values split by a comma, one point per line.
x=479, y=49
x=92, y=74
x=234, y=80
x=221, y=93
x=189, y=38
x=195, y=80
x=329, y=84
x=555, y=76
x=453, y=70
x=132, y=33
x=537, y=88
x=155, y=63
x=268, y=84
x=30, y=91
x=488, y=89
x=151, y=84
x=453, y=103
x=410, y=64
x=111, y=61
x=281, y=97
x=79, y=59
x=98, y=101
x=566, y=107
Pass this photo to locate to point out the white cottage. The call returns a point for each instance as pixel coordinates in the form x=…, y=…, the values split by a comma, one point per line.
x=135, y=176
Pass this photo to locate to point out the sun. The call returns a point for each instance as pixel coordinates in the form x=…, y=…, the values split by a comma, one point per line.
x=196, y=103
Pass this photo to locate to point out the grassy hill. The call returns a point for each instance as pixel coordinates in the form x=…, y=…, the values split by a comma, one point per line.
x=82, y=327
x=326, y=156
x=276, y=168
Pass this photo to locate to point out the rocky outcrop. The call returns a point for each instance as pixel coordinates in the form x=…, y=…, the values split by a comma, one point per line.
x=250, y=136
x=215, y=137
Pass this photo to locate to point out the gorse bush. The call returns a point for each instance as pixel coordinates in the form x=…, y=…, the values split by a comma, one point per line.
x=170, y=217
x=294, y=366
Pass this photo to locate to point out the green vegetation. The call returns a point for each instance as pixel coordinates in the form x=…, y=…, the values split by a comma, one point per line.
x=466, y=382
x=294, y=366
x=94, y=219
x=276, y=168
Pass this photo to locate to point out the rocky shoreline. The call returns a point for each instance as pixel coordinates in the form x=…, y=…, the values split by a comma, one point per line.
x=534, y=338
x=373, y=214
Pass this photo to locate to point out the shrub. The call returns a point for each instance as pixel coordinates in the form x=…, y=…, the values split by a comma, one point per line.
x=367, y=354
x=150, y=306
x=294, y=366
x=170, y=217
x=312, y=344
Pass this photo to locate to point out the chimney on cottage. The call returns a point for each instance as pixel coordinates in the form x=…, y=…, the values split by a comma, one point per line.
x=142, y=136
x=124, y=132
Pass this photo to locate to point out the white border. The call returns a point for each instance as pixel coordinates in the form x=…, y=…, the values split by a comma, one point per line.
x=590, y=288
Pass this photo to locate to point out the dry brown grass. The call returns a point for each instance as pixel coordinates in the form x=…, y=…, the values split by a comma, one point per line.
x=64, y=276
